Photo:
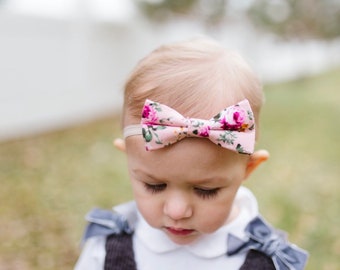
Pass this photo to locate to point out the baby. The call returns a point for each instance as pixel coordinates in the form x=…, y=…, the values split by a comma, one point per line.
x=190, y=118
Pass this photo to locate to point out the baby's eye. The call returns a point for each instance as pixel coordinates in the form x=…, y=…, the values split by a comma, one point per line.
x=154, y=188
x=205, y=193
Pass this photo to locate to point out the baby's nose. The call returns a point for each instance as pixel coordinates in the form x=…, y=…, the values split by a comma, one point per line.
x=177, y=206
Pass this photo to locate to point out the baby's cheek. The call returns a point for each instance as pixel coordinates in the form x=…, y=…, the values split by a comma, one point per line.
x=213, y=222
x=149, y=212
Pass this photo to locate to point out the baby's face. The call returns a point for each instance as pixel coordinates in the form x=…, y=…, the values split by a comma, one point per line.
x=187, y=189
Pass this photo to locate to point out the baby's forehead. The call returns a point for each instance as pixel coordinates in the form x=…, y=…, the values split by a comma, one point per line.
x=189, y=158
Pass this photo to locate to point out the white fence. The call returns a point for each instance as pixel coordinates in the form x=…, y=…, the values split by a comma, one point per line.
x=54, y=73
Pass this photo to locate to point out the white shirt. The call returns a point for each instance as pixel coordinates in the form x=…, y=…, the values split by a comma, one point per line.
x=154, y=250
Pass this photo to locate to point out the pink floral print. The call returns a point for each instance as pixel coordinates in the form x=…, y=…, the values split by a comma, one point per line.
x=149, y=112
x=233, y=128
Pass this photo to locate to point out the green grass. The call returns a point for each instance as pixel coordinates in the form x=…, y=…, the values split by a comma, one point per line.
x=298, y=187
x=50, y=181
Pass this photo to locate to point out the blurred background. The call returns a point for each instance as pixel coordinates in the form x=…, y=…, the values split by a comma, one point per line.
x=63, y=64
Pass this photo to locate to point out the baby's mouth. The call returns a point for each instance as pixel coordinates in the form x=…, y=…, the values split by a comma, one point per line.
x=179, y=231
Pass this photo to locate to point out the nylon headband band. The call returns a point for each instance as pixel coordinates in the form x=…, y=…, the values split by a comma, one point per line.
x=132, y=130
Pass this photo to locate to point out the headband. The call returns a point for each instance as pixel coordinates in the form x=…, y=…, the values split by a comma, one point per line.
x=233, y=128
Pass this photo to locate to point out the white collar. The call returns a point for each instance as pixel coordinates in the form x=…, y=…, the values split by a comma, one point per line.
x=208, y=246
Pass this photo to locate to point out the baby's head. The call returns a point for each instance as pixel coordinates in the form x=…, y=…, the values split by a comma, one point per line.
x=187, y=189
x=198, y=78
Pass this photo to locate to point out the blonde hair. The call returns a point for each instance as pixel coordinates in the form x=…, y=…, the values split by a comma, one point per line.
x=198, y=78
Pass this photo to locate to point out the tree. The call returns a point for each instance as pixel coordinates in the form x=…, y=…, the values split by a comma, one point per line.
x=286, y=18
x=210, y=11
x=298, y=18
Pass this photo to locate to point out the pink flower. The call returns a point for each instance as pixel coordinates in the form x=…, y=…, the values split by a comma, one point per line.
x=204, y=131
x=233, y=119
x=239, y=117
x=149, y=113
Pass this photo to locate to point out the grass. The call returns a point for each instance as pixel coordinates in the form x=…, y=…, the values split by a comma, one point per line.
x=49, y=182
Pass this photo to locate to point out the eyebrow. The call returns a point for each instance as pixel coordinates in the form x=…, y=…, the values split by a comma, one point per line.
x=139, y=171
x=203, y=181
x=212, y=180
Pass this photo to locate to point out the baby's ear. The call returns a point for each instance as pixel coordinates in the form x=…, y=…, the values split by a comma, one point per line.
x=119, y=144
x=255, y=160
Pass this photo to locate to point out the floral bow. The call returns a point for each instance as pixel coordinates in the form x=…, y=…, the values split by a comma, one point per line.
x=233, y=128
x=271, y=242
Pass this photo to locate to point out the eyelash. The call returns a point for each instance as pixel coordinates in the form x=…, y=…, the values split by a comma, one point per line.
x=203, y=193
x=155, y=188
x=207, y=193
